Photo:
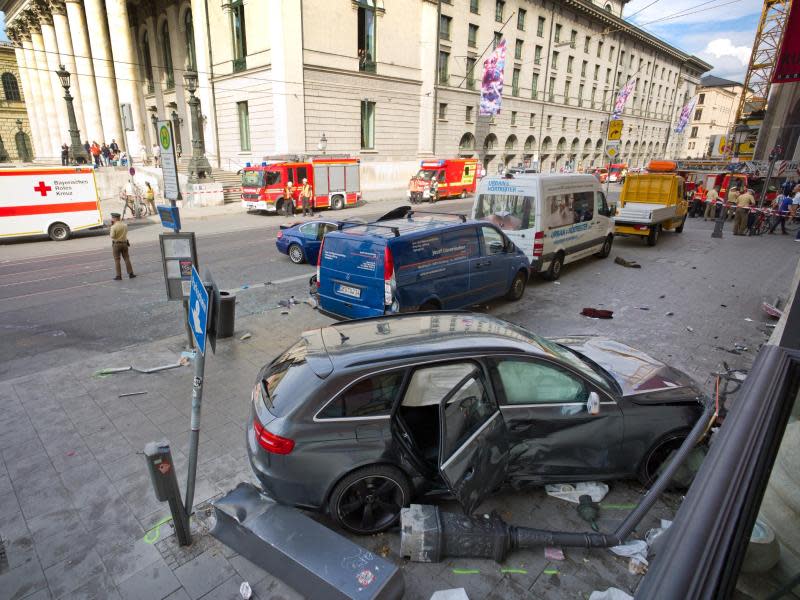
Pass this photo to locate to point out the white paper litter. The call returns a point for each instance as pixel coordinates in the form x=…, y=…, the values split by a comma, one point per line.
x=610, y=594
x=245, y=590
x=571, y=492
x=634, y=549
x=653, y=534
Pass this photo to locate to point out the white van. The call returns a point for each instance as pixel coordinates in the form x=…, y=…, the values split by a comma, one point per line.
x=554, y=219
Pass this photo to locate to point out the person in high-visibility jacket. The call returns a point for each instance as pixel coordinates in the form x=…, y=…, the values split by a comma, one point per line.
x=306, y=197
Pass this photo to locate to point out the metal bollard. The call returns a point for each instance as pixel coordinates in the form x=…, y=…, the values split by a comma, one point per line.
x=165, y=486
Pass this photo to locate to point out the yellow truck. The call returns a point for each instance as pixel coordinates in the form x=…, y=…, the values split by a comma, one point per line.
x=651, y=202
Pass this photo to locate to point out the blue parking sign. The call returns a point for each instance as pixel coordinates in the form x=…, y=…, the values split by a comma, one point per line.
x=198, y=311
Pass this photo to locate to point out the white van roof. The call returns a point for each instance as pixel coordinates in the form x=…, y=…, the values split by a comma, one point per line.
x=528, y=182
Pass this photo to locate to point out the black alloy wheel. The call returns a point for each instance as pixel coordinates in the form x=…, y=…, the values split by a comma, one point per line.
x=369, y=500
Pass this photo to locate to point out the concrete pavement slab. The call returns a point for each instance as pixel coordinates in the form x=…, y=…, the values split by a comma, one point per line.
x=73, y=573
x=204, y=573
x=155, y=581
x=21, y=581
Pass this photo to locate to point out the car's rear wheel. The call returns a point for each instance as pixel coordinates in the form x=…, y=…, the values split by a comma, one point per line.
x=296, y=254
x=517, y=286
x=554, y=272
x=369, y=499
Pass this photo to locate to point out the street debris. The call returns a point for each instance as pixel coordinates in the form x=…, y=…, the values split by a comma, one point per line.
x=246, y=591
x=550, y=571
x=185, y=359
x=656, y=532
x=451, y=594
x=662, y=296
x=311, y=301
x=643, y=307
x=588, y=510
x=772, y=311
x=597, y=313
x=246, y=336
x=689, y=329
x=631, y=264
x=669, y=314
x=131, y=394
x=634, y=549
x=610, y=594
x=737, y=349
x=571, y=492
x=551, y=553
x=748, y=319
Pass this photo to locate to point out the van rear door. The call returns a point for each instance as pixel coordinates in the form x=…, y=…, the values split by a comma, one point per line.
x=351, y=276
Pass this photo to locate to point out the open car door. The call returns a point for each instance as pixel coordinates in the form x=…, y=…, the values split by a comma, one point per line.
x=473, y=449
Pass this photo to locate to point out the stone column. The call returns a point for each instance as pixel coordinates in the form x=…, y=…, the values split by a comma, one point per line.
x=64, y=41
x=125, y=68
x=105, y=80
x=150, y=23
x=177, y=45
x=53, y=60
x=90, y=106
x=286, y=37
x=204, y=69
x=17, y=33
x=53, y=149
x=35, y=102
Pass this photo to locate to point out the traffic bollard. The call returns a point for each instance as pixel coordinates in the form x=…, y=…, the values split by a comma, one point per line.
x=165, y=486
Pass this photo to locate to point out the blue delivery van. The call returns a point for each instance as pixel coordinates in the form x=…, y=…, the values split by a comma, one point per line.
x=422, y=261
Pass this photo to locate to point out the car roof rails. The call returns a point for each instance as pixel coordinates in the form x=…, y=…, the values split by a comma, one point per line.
x=393, y=229
x=460, y=216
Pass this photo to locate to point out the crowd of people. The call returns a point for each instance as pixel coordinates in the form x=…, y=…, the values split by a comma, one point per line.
x=101, y=155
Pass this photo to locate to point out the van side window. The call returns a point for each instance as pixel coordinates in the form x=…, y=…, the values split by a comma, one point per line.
x=583, y=205
x=493, y=242
x=602, y=205
x=370, y=397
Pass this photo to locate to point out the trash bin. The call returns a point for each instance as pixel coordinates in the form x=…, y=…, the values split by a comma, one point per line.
x=227, y=314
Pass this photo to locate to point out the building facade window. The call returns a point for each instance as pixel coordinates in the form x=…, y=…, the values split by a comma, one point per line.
x=444, y=27
x=580, y=95
x=537, y=55
x=551, y=96
x=570, y=61
x=166, y=56
x=698, y=114
x=472, y=36
x=557, y=37
x=535, y=86
x=191, y=52
x=515, y=83
x=499, y=7
x=444, y=67
x=555, y=60
x=239, y=37
x=497, y=37
x=442, y=111
x=471, y=73
x=469, y=114
x=549, y=121
x=11, y=87
x=244, y=125
x=148, y=64
x=474, y=6
x=701, y=99
x=586, y=41
x=367, y=59
x=599, y=49
x=573, y=38
x=584, y=64
x=596, y=72
x=518, y=50
x=521, y=19
x=567, y=85
x=513, y=117
x=540, y=27
x=367, y=125
x=532, y=120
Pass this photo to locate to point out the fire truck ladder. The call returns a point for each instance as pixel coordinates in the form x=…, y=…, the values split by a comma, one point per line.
x=763, y=59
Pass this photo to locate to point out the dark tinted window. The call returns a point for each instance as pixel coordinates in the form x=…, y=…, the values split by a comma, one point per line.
x=273, y=177
x=368, y=397
x=302, y=173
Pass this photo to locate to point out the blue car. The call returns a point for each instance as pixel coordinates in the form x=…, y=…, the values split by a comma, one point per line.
x=423, y=261
x=301, y=241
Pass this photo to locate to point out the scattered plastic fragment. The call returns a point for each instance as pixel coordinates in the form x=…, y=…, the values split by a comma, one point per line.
x=637, y=566
x=466, y=571
x=772, y=311
x=556, y=283
x=633, y=549
x=597, y=313
x=131, y=394
x=653, y=534
x=551, y=553
x=550, y=571
x=610, y=594
x=246, y=591
x=571, y=492
x=643, y=308
x=631, y=264
x=669, y=314
x=451, y=594
x=689, y=329
x=246, y=336
x=748, y=319
x=588, y=510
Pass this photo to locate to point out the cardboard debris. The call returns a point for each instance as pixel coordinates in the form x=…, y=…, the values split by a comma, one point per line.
x=631, y=264
x=571, y=492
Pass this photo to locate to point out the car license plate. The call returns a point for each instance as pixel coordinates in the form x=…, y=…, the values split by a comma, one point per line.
x=250, y=204
x=348, y=290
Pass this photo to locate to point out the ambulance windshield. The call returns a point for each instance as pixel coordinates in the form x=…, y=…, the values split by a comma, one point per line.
x=426, y=174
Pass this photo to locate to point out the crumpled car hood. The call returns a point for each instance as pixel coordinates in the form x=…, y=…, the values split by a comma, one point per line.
x=641, y=377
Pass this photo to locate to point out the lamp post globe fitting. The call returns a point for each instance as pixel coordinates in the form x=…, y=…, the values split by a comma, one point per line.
x=322, y=145
x=64, y=76
x=190, y=78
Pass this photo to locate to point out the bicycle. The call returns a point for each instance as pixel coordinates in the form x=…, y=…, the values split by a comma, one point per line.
x=761, y=224
x=134, y=202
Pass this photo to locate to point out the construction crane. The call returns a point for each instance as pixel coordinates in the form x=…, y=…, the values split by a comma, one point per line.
x=763, y=59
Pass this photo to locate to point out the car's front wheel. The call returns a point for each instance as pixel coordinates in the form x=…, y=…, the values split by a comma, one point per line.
x=369, y=499
x=661, y=454
x=296, y=254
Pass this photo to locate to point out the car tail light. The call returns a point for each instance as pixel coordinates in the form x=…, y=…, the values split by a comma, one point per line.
x=538, y=243
x=319, y=261
x=388, y=277
x=280, y=234
x=271, y=442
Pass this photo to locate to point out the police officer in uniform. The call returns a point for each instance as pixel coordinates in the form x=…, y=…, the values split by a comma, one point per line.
x=119, y=246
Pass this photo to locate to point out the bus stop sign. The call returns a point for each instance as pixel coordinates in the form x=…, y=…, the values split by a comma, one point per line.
x=198, y=311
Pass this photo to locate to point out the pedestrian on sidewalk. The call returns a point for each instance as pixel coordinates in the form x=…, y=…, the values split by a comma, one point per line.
x=743, y=203
x=306, y=197
x=105, y=151
x=64, y=155
x=711, y=204
x=88, y=147
x=150, y=197
x=95, y=151
x=730, y=206
x=114, y=146
x=156, y=154
x=783, y=204
x=288, y=200
x=120, y=246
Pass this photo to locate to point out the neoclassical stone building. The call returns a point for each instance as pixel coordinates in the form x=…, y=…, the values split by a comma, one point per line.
x=15, y=141
x=390, y=82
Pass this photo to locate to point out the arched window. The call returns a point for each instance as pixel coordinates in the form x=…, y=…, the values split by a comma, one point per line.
x=191, y=55
x=11, y=87
x=148, y=62
x=166, y=51
x=609, y=8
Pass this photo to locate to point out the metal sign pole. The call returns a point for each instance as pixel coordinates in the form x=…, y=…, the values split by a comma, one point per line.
x=194, y=435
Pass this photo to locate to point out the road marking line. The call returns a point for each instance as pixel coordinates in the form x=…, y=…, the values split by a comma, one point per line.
x=51, y=278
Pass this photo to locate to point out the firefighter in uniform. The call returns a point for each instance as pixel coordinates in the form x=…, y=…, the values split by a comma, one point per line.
x=306, y=197
x=119, y=246
x=288, y=201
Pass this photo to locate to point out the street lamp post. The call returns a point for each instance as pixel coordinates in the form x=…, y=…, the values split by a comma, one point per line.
x=199, y=167
x=78, y=152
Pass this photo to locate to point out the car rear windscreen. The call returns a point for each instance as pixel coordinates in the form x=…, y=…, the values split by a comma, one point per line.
x=288, y=379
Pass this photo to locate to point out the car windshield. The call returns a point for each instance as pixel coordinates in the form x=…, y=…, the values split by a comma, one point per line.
x=427, y=175
x=253, y=178
x=507, y=211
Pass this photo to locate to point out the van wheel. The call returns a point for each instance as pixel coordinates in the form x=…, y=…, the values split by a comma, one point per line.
x=369, y=499
x=296, y=254
x=679, y=228
x=517, y=286
x=554, y=272
x=338, y=203
x=463, y=194
x=606, y=249
x=58, y=232
x=652, y=237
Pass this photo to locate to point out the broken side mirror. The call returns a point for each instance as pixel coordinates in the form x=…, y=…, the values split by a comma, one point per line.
x=593, y=404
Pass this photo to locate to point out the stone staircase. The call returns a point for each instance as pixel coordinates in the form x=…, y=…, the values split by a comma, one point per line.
x=230, y=180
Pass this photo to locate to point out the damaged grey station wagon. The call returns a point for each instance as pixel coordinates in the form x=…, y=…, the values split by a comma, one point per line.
x=359, y=417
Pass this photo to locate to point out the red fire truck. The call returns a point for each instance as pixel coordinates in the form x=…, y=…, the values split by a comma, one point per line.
x=335, y=182
x=444, y=178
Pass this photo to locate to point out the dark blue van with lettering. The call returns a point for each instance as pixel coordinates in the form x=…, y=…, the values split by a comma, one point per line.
x=423, y=261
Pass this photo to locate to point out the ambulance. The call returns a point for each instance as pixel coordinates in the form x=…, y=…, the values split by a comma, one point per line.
x=443, y=178
x=48, y=201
